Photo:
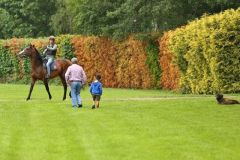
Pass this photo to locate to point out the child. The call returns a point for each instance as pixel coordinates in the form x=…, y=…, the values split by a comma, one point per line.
x=96, y=91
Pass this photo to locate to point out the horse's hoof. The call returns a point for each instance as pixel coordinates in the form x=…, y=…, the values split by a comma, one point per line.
x=27, y=99
x=64, y=99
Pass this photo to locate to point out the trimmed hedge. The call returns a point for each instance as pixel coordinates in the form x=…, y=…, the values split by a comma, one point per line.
x=121, y=64
x=207, y=53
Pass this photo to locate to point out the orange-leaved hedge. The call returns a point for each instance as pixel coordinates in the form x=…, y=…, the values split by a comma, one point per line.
x=170, y=71
x=96, y=55
x=131, y=67
x=121, y=64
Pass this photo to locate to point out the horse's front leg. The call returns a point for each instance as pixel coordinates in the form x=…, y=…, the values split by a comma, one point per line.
x=47, y=89
x=31, y=89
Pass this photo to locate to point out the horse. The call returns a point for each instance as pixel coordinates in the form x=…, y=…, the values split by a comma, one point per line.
x=38, y=71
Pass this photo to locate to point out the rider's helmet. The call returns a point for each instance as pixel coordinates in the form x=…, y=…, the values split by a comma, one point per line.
x=52, y=38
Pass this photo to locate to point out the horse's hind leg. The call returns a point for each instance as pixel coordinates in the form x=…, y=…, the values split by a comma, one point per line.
x=64, y=83
x=31, y=89
x=47, y=89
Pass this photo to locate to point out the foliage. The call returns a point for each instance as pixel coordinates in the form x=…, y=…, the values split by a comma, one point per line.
x=61, y=21
x=119, y=63
x=8, y=65
x=65, y=48
x=170, y=71
x=28, y=18
x=96, y=55
x=112, y=18
x=152, y=62
x=120, y=18
x=207, y=53
x=26, y=71
x=6, y=24
x=131, y=70
x=201, y=57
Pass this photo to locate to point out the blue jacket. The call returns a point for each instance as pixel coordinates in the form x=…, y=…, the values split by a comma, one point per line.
x=96, y=88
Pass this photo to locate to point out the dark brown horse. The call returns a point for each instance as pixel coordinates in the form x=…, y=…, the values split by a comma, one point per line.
x=38, y=71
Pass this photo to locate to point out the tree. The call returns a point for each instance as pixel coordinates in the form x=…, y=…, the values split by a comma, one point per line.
x=91, y=16
x=6, y=24
x=31, y=18
x=61, y=21
x=114, y=18
x=119, y=18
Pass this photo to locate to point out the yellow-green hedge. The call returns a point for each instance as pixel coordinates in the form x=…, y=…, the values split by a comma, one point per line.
x=207, y=52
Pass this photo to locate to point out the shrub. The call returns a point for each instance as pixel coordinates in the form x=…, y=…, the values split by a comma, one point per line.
x=207, y=53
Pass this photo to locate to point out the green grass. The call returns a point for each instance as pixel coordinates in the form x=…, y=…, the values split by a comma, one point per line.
x=131, y=125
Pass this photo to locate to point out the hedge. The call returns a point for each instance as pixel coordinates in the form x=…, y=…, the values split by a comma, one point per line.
x=121, y=64
x=207, y=54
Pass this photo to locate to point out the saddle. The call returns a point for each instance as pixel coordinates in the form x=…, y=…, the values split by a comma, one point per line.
x=53, y=66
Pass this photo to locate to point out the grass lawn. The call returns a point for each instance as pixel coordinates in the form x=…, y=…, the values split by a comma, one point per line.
x=131, y=125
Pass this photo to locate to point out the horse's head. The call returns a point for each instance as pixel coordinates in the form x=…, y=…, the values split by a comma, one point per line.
x=27, y=52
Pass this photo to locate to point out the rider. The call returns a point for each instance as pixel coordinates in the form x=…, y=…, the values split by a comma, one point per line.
x=50, y=53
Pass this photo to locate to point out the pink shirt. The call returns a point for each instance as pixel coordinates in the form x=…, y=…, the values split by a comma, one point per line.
x=75, y=73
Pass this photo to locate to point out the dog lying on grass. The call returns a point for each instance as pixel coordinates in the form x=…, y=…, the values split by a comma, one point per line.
x=226, y=101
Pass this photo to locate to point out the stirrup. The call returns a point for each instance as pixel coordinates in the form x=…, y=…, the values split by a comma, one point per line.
x=47, y=76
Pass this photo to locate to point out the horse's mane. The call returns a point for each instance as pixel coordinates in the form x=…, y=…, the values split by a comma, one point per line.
x=38, y=56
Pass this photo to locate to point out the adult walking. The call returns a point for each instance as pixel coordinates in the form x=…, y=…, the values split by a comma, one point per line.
x=76, y=78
